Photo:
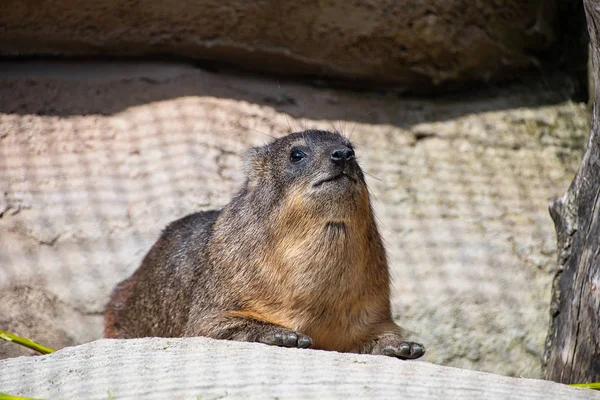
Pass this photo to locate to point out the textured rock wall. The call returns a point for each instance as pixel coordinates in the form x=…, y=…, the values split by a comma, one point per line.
x=411, y=43
x=95, y=159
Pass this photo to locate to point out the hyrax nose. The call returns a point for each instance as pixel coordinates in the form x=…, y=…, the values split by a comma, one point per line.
x=343, y=154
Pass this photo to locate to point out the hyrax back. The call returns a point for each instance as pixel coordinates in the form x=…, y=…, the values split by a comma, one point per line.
x=295, y=259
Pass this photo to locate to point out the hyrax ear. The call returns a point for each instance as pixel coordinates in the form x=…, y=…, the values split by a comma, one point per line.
x=256, y=165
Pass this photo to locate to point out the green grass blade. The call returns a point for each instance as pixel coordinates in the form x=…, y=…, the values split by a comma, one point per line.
x=9, y=337
x=595, y=385
x=4, y=396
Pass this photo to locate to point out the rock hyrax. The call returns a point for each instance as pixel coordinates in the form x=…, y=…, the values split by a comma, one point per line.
x=295, y=259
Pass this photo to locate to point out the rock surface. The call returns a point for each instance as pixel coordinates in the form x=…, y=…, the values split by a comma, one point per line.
x=96, y=159
x=39, y=314
x=199, y=368
x=414, y=44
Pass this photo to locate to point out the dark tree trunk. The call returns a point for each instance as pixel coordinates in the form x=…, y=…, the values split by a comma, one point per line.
x=573, y=344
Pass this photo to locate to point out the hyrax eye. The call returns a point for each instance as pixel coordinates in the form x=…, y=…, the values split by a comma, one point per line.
x=296, y=156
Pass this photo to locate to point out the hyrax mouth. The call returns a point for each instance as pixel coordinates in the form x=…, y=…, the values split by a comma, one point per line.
x=335, y=178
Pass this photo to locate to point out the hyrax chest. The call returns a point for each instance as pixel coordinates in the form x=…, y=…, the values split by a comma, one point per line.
x=322, y=285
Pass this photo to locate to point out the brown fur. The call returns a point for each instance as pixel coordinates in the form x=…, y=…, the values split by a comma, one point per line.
x=288, y=258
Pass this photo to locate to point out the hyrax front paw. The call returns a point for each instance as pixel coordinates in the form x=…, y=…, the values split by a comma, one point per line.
x=287, y=338
x=395, y=346
x=407, y=350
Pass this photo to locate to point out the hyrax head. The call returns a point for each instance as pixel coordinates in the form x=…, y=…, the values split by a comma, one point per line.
x=316, y=168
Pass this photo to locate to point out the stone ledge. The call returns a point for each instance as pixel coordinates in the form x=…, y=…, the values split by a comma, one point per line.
x=158, y=368
x=414, y=45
